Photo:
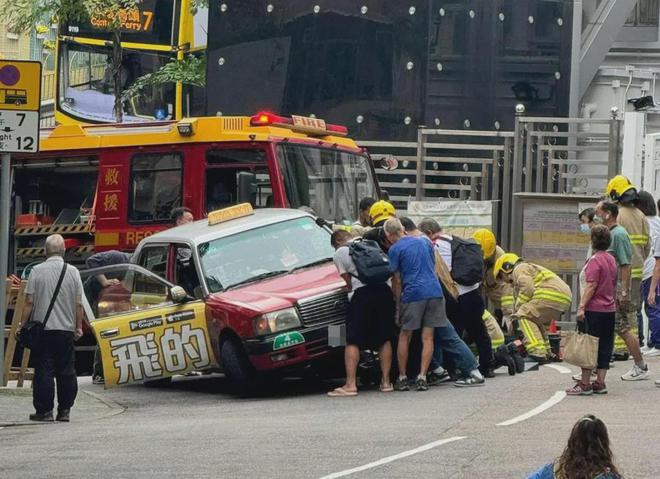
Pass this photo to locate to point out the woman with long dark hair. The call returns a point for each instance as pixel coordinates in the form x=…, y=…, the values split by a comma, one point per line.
x=586, y=456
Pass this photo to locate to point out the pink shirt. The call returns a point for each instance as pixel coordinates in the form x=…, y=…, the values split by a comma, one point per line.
x=601, y=269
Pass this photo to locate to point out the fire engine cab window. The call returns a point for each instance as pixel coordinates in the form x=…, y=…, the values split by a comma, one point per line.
x=156, y=181
x=222, y=183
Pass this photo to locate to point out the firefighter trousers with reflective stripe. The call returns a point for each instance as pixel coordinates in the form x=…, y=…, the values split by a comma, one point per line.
x=494, y=331
x=534, y=318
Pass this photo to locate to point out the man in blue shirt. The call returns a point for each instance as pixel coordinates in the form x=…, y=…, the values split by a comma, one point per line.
x=420, y=302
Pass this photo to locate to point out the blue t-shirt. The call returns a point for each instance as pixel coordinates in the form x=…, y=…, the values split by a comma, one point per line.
x=413, y=258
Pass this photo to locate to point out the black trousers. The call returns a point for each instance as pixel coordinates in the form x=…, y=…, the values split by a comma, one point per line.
x=600, y=325
x=466, y=315
x=55, y=360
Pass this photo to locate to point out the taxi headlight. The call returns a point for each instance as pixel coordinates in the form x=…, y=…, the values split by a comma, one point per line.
x=277, y=321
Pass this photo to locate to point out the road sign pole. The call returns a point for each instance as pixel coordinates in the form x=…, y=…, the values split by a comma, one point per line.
x=5, y=211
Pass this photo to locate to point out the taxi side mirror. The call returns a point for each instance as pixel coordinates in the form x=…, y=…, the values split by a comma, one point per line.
x=178, y=294
x=247, y=187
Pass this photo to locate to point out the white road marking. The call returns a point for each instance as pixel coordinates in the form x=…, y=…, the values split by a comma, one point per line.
x=387, y=460
x=556, y=398
x=557, y=367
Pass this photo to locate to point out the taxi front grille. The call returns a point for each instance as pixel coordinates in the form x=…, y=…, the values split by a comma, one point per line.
x=323, y=309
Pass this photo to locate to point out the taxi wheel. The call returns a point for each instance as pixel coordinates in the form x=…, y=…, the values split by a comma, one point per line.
x=240, y=374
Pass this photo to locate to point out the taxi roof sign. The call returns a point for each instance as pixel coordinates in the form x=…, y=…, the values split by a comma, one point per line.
x=230, y=213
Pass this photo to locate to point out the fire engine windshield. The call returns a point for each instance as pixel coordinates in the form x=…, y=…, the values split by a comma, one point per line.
x=329, y=181
x=283, y=247
x=86, y=84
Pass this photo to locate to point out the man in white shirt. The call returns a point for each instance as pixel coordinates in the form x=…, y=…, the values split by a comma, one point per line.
x=370, y=321
x=466, y=314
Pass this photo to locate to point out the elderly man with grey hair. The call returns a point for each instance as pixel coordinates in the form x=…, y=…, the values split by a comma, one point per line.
x=54, y=357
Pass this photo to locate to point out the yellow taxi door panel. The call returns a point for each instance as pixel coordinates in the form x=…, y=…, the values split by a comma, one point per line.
x=154, y=343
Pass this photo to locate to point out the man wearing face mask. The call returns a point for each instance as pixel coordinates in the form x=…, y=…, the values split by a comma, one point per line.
x=625, y=324
x=540, y=297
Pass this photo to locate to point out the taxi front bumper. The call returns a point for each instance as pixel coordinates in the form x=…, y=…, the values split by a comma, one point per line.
x=265, y=354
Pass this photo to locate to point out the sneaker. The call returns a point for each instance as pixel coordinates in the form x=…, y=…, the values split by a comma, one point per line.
x=657, y=382
x=63, y=415
x=636, y=374
x=598, y=388
x=45, y=417
x=578, y=376
x=469, y=382
x=645, y=349
x=421, y=384
x=653, y=352
x=580, y=390
x=433, y=378
x=401, y=384
x=98, y=380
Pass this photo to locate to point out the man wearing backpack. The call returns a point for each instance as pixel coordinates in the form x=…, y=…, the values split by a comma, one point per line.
x=370, y=321
x=464, y=259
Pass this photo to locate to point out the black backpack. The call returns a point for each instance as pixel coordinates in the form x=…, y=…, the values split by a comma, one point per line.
x=373, y=266
x=467, y=261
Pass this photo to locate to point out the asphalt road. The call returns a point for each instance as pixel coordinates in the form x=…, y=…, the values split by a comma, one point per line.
x=193, y=428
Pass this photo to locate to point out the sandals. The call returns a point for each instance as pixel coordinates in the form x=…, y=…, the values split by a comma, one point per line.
x=341, y=392
x=386, y=389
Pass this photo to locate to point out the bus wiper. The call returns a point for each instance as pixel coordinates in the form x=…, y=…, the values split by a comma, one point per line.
x=313, y=263
x=252, y=279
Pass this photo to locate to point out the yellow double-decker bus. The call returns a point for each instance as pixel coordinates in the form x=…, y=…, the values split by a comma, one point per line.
x=153, y=33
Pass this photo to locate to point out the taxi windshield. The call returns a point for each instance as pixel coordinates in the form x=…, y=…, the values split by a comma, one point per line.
x=330, y=181
x=262, y=252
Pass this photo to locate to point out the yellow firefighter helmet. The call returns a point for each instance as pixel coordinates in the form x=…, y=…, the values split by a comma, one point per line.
x=618, y=186
x=486, y=240
x=505, y=263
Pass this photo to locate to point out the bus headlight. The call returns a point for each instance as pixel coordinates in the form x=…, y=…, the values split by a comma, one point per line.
x=276, y=321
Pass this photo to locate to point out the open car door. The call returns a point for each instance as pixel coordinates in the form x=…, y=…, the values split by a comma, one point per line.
x=147, y=328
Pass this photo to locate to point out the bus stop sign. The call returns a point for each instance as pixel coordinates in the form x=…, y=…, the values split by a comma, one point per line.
x=20, y=100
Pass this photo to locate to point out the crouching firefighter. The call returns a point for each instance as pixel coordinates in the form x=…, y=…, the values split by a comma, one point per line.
x=540, y=297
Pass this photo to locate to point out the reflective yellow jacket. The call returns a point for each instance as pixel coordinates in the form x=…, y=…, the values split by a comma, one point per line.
x=499, y=293
x=637, y=226
x=532, y=282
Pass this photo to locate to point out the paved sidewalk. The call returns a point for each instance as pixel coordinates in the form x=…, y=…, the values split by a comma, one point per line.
x=16, y=405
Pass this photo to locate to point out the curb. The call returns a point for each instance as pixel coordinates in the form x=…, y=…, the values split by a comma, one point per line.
x=115, y=408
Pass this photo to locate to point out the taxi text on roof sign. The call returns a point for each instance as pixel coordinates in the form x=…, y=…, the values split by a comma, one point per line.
x=231, y=213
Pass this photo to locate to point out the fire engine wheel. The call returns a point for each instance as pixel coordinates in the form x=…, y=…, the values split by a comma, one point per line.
x=240, y=374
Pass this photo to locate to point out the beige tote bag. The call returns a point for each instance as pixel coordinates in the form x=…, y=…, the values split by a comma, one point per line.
x=581, y=350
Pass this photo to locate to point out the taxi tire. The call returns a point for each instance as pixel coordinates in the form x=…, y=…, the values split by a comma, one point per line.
x=240, y=374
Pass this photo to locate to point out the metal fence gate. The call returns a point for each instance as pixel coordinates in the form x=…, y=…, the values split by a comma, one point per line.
x=541, y=155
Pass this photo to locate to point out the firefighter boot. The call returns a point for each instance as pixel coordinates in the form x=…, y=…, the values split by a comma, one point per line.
x=502, y=357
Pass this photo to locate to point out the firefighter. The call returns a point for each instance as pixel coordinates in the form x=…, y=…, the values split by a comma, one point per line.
x=540, y=297
x=498, y=292
x=622, y=192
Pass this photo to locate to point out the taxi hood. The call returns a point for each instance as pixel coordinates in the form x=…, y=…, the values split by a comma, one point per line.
x=282, y=291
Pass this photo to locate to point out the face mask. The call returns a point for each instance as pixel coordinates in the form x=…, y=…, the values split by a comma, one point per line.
x=584, y=228
x=598, y=220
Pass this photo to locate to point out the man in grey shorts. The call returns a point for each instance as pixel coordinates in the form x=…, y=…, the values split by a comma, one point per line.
x=417, y=290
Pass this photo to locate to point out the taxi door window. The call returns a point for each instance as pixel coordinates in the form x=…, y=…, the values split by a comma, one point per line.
x=222, y=176
x=185, y=274
x=154, y=259
x=135, y=291
x=156, y=185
